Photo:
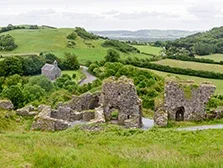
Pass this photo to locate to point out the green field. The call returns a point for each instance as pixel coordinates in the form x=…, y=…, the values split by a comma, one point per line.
x=215, y=57
x=55, y=41
x=218, y=83
x=149, y=49
x=111, y=147
x=79, y=74
x=191, y=65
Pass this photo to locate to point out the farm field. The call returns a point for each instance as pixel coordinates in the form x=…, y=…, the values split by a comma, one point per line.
x=191, y=65
x=215, y=57
x=218, y=83
x=55, y=41
x=149, y=49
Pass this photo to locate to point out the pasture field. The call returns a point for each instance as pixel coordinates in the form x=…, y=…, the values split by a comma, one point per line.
x=191, y=65
x=55, y=41
x=215, y=57
x=79, y=74
x=112, y=146
x=148, y=49
x=218, y=83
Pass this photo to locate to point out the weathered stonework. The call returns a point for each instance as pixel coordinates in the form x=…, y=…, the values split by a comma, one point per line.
x=121, y=95
x=185, y=101
x=86, y=101
x=43, y=121
x=98, y=107
x=6, y=105
x=27, y=111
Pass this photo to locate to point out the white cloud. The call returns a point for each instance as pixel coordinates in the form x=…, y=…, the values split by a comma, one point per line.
x=115, y=14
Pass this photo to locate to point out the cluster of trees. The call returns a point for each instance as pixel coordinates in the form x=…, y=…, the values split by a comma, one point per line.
x=31, y=65
x=201, y=43
x=81, y=32
x=148, y=85
x=72, y=36
x=7, y=43
x=10, y=27
x=147, y=64
x=120, y=46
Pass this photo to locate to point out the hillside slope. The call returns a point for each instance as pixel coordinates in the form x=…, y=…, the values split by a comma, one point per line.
x=55, y=41
x=201, y=43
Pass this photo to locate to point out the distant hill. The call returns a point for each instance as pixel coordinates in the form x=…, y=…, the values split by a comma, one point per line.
x=204, y=43
x=145, y=35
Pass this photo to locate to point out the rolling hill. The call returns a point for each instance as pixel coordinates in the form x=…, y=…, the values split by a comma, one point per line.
x=45, y=39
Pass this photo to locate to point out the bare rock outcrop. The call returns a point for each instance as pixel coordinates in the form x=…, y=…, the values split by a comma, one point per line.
x=6, y=105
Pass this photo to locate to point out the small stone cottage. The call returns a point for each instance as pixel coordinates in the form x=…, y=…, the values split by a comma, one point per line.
x=51, y=71
x=183, y=101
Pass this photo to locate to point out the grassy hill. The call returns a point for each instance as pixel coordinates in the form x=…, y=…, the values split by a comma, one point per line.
x=55, y=41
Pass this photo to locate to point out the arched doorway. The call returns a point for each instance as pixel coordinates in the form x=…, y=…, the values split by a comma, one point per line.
x=180, y=114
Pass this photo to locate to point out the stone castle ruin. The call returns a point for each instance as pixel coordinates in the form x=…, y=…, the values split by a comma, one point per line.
x=183, y=101
x=118, y=96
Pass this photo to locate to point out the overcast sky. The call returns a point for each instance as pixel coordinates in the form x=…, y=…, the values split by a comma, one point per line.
x=115, y=14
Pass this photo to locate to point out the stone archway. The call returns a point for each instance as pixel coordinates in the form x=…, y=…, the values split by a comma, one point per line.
x=180, y=114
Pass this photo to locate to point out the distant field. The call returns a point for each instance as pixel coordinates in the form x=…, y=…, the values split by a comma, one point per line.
x=149, y=49
x=215, y=57
x=216, y=82
x=79, y=74
x=191, y=65
x=55, y=41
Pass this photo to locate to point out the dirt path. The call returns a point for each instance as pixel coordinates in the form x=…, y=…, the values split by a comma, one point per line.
x=202, y=127
x=89, y=78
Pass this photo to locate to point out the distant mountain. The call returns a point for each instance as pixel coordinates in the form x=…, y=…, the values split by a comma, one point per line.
x=145, y=35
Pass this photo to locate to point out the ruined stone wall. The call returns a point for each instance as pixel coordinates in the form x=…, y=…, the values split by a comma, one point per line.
x=187, y=97
x=121, y=95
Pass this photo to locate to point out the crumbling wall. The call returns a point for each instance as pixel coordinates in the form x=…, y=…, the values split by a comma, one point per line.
x=191, y=99
x=121, y=95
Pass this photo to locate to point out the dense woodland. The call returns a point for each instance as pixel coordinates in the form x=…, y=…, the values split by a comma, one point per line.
x=201, y=43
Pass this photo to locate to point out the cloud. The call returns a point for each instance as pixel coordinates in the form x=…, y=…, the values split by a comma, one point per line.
x=111, y=12
x=144, y=15
x=203, y=11
x=82, y=16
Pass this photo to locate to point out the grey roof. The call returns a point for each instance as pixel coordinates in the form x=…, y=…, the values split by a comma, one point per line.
x=48, y=67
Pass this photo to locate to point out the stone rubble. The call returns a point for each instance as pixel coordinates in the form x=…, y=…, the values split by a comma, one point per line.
x=6, y=105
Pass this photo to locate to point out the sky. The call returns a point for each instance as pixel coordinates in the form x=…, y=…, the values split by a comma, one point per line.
x=115, y=14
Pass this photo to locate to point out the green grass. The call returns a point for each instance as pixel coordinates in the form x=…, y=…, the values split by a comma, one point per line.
x=191, y=65
x=55, y=41
x=148, y=49
x=79, y=74
x=218, y=83
x=215, y=57
x=112, y=147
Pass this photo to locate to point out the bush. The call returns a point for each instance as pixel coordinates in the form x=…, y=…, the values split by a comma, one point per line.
x=72, y=36
x=7, y=43
x=70, y=62
x=120, y=46
x=84, y=34
x=112, y=56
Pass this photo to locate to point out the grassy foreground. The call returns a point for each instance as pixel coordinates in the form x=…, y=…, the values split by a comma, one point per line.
x=191, y=65
x=112, y=147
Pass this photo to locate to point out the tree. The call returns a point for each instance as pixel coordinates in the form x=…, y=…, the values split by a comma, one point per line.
x=41, y=81
x=112, y=56
x=32, y=93
x=10, y=66
x=14, y=93
x=70, y=62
